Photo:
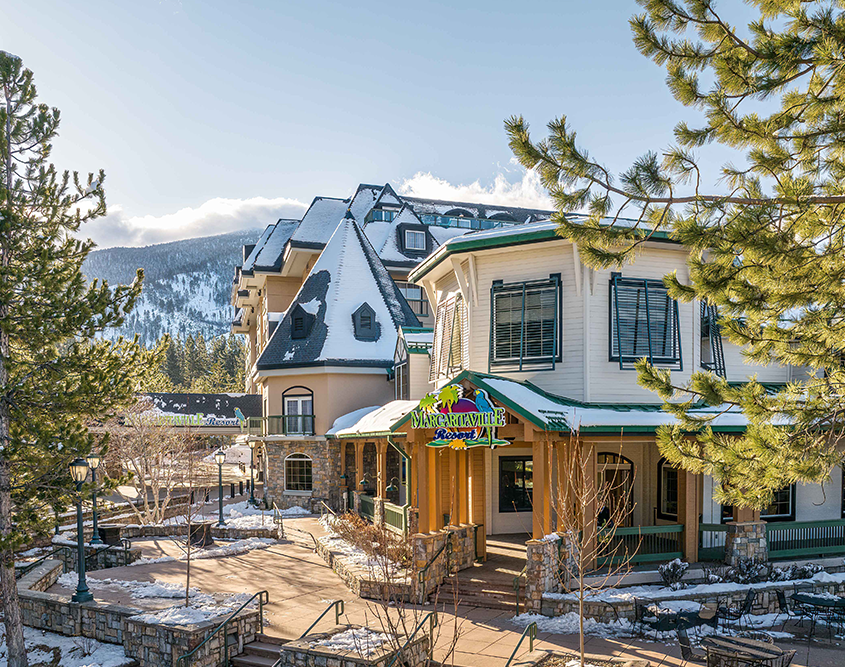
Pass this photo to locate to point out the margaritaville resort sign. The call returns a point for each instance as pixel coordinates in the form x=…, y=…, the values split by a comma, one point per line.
x=459, y=422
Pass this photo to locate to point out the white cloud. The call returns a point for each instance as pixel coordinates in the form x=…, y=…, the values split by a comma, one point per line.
x=216, y=216
x=527, y=192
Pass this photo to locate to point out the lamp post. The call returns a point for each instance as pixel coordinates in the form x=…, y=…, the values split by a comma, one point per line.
x=78, y=472
x=94, y=463
x=220, y=457
x=251, y=444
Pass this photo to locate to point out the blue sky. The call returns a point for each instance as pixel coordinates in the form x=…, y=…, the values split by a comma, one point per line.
x=209, y=115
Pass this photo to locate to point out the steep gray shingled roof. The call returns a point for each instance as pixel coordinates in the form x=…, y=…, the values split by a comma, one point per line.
x=249, y=262
x=347, y=274
x=320, y=220
x=271, y=254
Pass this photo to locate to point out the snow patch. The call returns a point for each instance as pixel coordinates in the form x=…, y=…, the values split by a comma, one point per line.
x=361, y=641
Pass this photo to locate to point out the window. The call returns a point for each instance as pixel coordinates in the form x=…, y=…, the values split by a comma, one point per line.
x=667, y=491
x=415, y=297
x=298, y=473
x=525, y=324
x=712, y=352
x=298, y=416
x=451, y=337
x=516, y=483
x=401, y=382
x=782, y=506
x=381, y=215
x=616, y=478
x=364, y=323
x=414, y=240
x=644, y=322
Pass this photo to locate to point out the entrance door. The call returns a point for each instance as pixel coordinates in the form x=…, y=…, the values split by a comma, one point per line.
x=616, y=474
x=511, y=499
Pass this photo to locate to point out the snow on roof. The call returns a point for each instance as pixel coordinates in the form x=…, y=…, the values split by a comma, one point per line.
x=443, y=234
x=248, y=264
x=419, y=337
x=441, y=207
x=347, y=274
x=320, y=220
x=270, y=256
x=363, y=200
x=275, y=316
x=371, y=420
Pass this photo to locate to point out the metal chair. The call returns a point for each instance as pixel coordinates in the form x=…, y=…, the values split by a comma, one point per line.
x=729, y=614
x=643, y=617
x=688, y=653
x=784, y=610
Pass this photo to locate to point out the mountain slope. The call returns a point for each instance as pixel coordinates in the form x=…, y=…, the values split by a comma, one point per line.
x=187, y=284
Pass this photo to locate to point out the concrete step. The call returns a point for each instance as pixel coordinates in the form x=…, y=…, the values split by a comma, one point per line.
x=269, y=639
x=487, y=602
x=246, y=660
x=262, y=648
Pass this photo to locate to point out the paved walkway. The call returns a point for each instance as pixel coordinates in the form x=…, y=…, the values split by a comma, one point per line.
x=301, y=586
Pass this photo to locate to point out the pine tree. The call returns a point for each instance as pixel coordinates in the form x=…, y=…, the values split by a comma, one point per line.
x=768, y=249
x=172, y=364
x=54, y=373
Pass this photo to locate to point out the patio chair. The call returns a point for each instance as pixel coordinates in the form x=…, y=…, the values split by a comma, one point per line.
x=643, y=618
x=729, y=614
x=688, y=653
x=784, y=610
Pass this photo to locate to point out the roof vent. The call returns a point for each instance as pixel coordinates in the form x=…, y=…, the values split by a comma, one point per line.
x=300, y=322
x=364, y=323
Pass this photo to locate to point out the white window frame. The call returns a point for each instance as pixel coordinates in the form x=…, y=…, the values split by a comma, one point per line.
x=299, y=399
x=414, y=234
x=303, y=458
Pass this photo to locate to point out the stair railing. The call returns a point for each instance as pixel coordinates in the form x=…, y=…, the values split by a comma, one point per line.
x=531, y=631
x=278, y=519
x=338, y=612
x=431, y=618
x=517, y=581
x=26, y=569
x=263, y=598
x=421, y=575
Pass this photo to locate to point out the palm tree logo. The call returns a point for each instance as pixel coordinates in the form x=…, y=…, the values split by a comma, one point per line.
x=448, y=396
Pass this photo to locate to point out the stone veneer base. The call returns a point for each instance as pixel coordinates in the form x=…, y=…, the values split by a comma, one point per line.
x=361, y=581
x=305, y=652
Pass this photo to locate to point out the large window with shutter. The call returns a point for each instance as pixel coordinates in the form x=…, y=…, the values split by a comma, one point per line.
x=644, y=322
x=525, y=324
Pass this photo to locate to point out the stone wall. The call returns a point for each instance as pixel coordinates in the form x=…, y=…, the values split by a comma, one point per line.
x=765, y=602
x=150, y=644
x=271, y=531
x=105, y=558
x=541, y=571
x=325, y=474
x=159, y=645
x=365, y=582
x=746, y=539
x=307, y=652
x=459, y=556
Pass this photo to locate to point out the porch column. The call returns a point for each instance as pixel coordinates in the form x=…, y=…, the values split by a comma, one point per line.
x=688, y=514
x=450, y=491
x=422, y=491
x=434, y=491
x=343, y=470
x=478, y=497
x=462, y=486
x=541, y=514
x=745, y=514
x=590, y=518
x=562, y=493
x=381, y=469
x=359, y=464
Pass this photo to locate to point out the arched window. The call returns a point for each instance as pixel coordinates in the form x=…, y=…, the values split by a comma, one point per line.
x=298, y=411
x=298, y=473
x=505, y=217
x=616, y=476
x=667, y=491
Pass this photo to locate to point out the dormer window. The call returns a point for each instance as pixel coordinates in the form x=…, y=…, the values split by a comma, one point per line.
x=364, y=323
x=301, y=321
x=381, y=215
x=414, y=240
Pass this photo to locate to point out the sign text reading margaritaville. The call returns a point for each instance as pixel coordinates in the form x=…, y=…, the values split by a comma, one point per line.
x=455, y=421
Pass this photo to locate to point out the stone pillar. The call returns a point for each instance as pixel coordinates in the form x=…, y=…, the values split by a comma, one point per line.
x=746, y=539
x=356, y=496
x=413, y=520
x=541, y=572
x=378, y=511
x=688, y=514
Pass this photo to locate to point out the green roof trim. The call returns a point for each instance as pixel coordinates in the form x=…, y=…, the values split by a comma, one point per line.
x=468, y=244
x=553, y=422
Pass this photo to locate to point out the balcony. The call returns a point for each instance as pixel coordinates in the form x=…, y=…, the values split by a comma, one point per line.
x=280, y=425
x=465, y=223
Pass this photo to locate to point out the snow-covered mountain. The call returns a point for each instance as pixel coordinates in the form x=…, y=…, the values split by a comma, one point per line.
x=187, y=284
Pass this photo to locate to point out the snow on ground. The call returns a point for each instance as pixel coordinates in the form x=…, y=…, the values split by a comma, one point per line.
x=355, y=555
x=652, y=592
x=198, y=612
x=137, y=589
x=362, y=641
x=41, y=648
x=243, y=515
x=233, y=548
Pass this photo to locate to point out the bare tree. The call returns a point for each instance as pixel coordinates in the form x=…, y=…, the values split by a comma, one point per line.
x=590, y=508
x=153, y=454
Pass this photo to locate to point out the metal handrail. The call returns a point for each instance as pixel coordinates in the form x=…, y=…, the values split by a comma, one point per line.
x=26, y=569
x=431, y=617
x=263, y=598
x=516, y=585
x=447, y=546
x=278, y=519
x=338, y=612
x=328, y=509
x=531, y=629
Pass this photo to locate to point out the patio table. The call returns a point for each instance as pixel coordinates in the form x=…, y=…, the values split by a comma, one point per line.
x=830, y=607
x=739, y=651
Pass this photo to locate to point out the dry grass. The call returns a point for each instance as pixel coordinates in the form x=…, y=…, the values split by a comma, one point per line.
x=375, y=541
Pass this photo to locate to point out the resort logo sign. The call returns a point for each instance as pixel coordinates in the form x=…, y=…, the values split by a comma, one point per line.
x=459, y=422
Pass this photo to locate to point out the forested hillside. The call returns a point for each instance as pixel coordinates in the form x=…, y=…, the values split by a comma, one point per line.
x=186, y=287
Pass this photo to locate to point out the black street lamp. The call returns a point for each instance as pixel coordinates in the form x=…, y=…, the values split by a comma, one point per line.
x=220, y=457
x=252, y=500
x=94, y=463
x=78, y=472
